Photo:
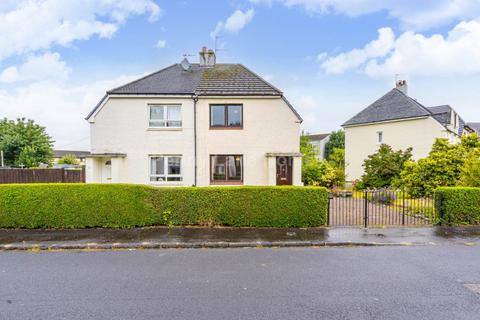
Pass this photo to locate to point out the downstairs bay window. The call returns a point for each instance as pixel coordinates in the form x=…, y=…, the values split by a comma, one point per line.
x=226, y=169
x=166, y=169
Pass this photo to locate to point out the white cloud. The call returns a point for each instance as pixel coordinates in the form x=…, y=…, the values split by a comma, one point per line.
x=414, y=54
x=60, y=108
x=236, y=22
x=356, y=57
x=161, y=44
x=28, y=26
x=411, y=13
x=37, y=67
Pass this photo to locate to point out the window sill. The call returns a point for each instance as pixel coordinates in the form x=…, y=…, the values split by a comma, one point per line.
x=164, y=129
x=226, y=128
x=166, y=184
x=226, y=183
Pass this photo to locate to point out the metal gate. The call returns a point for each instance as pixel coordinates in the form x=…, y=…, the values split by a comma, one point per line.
x=380, y=207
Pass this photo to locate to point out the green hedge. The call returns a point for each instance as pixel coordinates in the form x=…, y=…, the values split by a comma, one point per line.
x=118, y=205
x=458, y=206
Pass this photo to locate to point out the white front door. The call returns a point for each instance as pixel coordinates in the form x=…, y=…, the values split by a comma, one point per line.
x=106, y=170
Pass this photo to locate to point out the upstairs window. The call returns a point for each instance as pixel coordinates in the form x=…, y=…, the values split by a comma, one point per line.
x=380, y=136
x=165, y=116
x=226, y=116
x=165, y=168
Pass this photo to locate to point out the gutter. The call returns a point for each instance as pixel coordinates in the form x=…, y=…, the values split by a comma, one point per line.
x=195, y=99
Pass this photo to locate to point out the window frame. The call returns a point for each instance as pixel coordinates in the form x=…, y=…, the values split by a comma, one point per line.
x=225, y=115
x=380, y=137
x=227, y=181
x=165, y=175
x=165, y=115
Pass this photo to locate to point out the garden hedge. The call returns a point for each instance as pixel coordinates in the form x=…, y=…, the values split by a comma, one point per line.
x=458, y=205
x=124, y=206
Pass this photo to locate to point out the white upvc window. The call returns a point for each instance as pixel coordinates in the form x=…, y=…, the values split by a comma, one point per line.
x=165, y=116
x=166, y=168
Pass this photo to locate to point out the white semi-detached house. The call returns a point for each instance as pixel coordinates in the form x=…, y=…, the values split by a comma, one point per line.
x=400, y=122
x=195, y=125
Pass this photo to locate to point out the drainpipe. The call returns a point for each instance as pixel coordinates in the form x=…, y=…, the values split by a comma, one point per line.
x=195, y=99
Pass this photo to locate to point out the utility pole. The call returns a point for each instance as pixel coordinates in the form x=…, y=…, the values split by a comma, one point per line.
x=1, y=158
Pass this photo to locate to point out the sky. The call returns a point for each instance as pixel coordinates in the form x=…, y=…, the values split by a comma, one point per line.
x=331, y=58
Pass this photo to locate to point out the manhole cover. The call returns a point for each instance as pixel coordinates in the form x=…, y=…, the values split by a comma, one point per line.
x=475, y=287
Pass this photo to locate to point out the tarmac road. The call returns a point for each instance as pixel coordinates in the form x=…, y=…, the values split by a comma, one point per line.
x=404, y=282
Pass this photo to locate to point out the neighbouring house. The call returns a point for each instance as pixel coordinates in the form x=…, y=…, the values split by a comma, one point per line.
x=319, y=141
x=474, y=127
x=197, y=124
x=401, y=122
x=79, y=155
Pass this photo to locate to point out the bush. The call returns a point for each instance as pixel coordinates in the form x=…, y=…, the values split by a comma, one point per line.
x=458, y=206
x=117, y=205
x=386, y=197
x=384, y=166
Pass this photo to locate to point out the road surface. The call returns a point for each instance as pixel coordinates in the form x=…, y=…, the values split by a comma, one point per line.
x=422, y=282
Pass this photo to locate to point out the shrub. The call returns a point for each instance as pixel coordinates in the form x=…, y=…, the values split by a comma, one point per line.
x=470, y=171
x=336, y=140
x=68, y=159
x=117, y=205
x=386, y=197
x=458, y=206
x=384, y=166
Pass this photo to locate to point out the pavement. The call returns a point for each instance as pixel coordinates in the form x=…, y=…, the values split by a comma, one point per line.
x=196, y=237
x=392, y=282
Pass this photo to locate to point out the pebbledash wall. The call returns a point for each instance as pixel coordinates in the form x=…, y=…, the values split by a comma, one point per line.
x=121, y=126
x=362, y=140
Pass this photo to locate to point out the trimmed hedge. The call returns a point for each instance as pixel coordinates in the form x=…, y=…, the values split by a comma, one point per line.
x=124, y=206
x=458, y=206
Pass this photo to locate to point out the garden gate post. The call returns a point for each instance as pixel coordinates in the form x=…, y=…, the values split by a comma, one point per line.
x=365, y=213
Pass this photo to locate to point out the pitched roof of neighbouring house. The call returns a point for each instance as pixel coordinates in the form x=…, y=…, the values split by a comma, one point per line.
x=317, y=137
x=394, y=105
x=76, y=153
x=221, y=79
x=474, y=125
x=443, y=114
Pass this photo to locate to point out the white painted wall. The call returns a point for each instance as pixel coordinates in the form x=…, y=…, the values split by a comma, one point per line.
x=362, y=140
x=121, y=126
x=320, y=146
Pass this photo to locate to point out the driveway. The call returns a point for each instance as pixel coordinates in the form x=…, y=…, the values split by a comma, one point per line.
x=424, y=282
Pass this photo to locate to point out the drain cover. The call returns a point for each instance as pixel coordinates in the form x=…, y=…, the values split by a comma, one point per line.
x=475, y=287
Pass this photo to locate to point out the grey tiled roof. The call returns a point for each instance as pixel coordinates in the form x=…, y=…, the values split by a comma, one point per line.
x=76, y=153
x=443, y=114
x=392, y=106
x=475, y=126
x=222, y=79
x=233, y=79
x=171, y=80
x=318, y=137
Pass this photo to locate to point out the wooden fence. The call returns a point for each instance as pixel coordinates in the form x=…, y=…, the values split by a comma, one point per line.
x=42, y=175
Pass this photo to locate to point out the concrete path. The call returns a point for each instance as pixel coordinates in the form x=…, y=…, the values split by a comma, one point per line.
x=421, y=282
x=194, y=237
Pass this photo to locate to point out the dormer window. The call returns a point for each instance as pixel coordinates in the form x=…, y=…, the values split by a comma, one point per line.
x=165, y=116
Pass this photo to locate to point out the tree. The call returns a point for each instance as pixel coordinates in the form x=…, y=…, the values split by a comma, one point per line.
x=383, y=167
x=335, y=141
x=470, y=172
x=24, y=143
x=337, y=161
x=315, y=172
x=442, y=168
x=68, y=159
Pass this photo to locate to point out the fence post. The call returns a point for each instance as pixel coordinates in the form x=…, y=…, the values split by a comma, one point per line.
x=403, y=207
x=365, y=216
x=63, y=175
x=328, y=210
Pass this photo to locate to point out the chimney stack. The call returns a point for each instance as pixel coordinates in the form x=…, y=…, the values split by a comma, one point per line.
x=207, y=57
x=402, y=86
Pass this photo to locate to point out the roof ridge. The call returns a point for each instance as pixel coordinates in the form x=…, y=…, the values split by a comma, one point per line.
x=142, y=78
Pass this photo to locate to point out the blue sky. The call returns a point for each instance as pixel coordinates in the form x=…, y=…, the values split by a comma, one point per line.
x=331, y=58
